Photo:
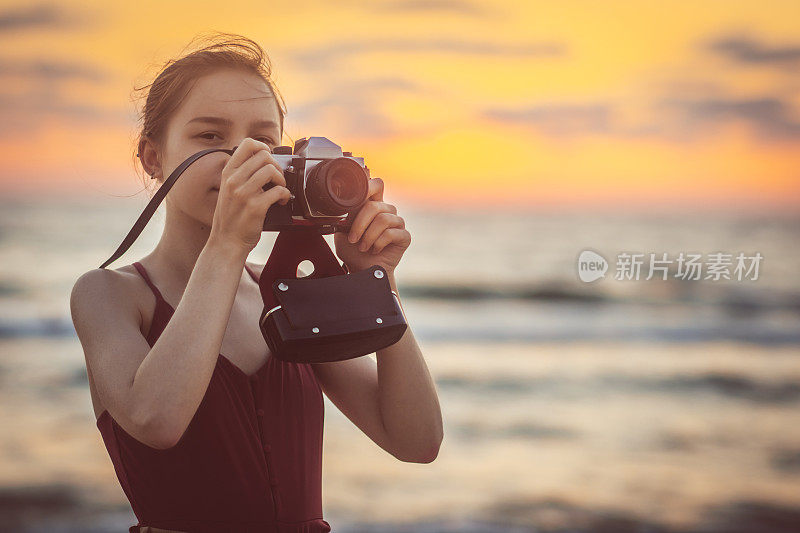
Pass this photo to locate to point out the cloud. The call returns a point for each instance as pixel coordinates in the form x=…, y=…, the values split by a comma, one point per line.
x=558, y=119
x=31, y=93
x=357, y=105
x=25, y=113
x=324, y=55
x=353, y=105
x=748, y=50
x=769, y=116
x=680, y=110
x=411, y=6
x=49, y=71
x=672, y=119
x=38, y=104
x=45, y=16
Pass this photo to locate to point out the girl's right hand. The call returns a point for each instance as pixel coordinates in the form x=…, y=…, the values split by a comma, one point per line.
x=242, y=202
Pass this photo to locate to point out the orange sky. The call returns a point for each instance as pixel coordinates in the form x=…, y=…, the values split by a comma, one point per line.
x=556, y=104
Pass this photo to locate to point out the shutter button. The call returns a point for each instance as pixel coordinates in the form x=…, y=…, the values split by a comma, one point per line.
x=260, y=412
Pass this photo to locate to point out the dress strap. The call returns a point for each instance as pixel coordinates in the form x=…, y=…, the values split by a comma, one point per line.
x=140, y=268
x=143, y=272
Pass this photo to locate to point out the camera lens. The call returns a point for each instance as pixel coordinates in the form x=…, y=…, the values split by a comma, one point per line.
x=336, y=186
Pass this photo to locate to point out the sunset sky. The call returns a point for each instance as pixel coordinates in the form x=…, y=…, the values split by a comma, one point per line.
x=549, y=104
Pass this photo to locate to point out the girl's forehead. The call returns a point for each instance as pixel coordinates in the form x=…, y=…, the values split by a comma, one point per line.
x=230, y=91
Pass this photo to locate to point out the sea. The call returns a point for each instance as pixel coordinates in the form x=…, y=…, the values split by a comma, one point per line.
x=622, y=404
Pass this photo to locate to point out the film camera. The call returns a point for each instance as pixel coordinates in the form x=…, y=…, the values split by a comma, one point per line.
x=327, y=185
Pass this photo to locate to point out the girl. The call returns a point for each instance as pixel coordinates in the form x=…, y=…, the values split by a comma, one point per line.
x=202, y=441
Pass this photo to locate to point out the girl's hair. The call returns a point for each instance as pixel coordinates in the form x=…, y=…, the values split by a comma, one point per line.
x=178, y=76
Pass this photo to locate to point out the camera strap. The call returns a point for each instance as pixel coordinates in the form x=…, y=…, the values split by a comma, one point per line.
x=148, y=212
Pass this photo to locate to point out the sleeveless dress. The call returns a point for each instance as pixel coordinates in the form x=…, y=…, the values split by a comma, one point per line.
x=249, y=461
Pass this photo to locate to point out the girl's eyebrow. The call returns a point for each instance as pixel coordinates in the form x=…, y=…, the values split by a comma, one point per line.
x=226, y=122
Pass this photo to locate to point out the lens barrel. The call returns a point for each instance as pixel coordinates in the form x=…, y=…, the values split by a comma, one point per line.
x=336, y=186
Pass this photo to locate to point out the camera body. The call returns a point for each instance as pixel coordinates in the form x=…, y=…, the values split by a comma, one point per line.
x=327, y=183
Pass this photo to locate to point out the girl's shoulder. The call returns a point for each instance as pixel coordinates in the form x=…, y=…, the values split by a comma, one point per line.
x=113, y=284
x=122, y=288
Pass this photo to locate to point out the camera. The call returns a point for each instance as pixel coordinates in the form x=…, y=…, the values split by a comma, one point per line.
x=328, y=187
x=327, y=183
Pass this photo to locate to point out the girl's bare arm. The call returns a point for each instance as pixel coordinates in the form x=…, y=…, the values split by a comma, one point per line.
x=154, y=393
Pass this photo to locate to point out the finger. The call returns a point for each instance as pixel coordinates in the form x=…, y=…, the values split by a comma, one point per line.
x=399, y=236
x=241, y=174
x=375, y=189
x=243, y=152
x=263, y=201
x=365, y=215
x=379, y=224
x=261, y=177
x=257, y=161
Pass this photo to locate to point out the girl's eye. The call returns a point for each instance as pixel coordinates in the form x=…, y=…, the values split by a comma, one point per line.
x=209, y=136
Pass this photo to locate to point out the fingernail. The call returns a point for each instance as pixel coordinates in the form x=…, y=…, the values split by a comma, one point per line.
x=351, y=238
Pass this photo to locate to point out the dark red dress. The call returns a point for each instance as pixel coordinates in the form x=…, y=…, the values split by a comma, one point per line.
x=249, y=461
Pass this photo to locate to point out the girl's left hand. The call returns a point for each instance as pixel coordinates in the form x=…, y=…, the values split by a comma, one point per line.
x=378, y=236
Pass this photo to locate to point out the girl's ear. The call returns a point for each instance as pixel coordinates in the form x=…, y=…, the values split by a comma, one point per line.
x=148, y=155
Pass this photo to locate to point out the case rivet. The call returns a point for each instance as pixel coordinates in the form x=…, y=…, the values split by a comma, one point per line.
x=379, y=320
x=379, y=274
x=315, y=330
x=283, y=286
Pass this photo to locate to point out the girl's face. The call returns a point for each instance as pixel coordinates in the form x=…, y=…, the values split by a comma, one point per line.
x=220, y=110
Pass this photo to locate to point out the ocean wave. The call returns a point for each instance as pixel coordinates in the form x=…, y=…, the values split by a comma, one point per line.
x=786, y=460
x=40, y=327
x=525, y=430
x=530, y=323
x=723, y=384
x=735, y=299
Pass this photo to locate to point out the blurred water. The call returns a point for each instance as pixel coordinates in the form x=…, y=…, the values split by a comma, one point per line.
x=613, y=406
x=479, y=275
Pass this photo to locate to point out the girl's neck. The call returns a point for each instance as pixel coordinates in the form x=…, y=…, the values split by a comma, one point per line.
x=180, y=245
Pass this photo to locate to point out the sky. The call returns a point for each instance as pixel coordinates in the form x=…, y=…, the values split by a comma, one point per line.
x=548, y=105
